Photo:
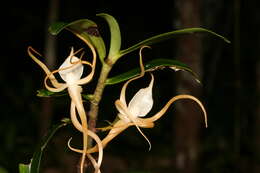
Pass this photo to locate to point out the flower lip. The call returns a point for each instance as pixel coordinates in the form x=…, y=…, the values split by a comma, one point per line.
x=142, y=102
x=71, y=70
x=139, y=106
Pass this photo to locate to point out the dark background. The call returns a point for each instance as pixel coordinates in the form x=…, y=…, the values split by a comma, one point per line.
x=229, y=74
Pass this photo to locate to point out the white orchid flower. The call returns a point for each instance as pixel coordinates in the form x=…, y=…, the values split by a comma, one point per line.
x=140, y=105
x=71, y=72
x=134, y=113
x=138, y=108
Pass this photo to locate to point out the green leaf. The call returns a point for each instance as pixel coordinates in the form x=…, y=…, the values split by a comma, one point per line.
x=151, y=66
x=86, y=30
x=34, y=166
x=87, y=96
x=167, y=36
x=115, y=41
x=23, y=168
x=47, y=93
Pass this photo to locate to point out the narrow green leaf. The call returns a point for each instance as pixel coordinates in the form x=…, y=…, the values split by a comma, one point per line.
x=167, y=36
x=34, y=166
x=87, y=96
x=36, y=160
x=86, y=30
x=47, y=93
x=115, y=40
x=23, y=168
x=151, y=66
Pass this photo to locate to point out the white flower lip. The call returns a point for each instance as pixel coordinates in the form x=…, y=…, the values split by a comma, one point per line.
x=142, y=102
x=70, y=70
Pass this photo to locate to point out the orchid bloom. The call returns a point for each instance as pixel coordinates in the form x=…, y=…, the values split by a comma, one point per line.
x=71, y=72
x=133, y=114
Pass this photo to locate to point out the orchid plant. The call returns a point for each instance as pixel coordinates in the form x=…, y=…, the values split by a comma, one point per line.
x=132, y=114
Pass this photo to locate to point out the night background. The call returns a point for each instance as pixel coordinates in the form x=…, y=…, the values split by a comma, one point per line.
x=229, y=74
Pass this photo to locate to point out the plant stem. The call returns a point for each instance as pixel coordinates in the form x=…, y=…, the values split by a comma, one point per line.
x=93, y=113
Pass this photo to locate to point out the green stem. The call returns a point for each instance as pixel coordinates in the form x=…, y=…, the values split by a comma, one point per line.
x=94, y=106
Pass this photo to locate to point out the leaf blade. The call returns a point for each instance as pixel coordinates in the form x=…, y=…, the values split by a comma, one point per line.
x=151, y=66
x=84, y=29
x=167, y=36
x=47, y=93
x=24, y=168
x=115, y=39
x=34, y=165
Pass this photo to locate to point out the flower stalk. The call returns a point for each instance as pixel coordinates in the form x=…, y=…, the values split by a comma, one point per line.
x=97, y=96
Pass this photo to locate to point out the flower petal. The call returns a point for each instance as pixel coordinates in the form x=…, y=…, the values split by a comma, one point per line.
x=122, y=111
x=142, y=102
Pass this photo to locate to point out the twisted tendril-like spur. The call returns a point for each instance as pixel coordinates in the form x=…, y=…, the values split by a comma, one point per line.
x=139, y=106
x=71, y=71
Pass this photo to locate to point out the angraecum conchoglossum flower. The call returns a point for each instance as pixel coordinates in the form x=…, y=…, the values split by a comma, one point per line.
x=71, y=73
